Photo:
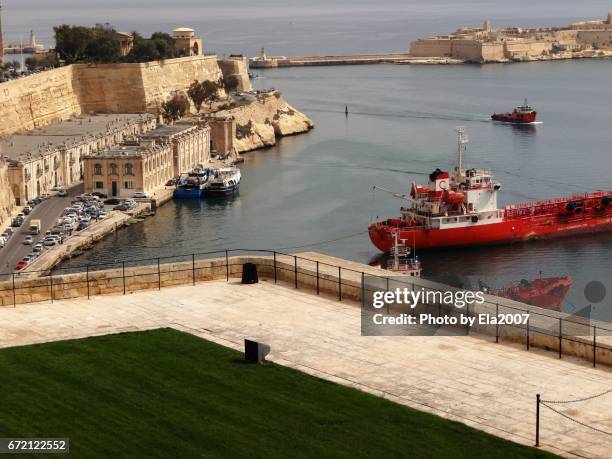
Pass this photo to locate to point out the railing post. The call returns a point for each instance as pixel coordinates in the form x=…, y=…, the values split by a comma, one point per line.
x=123, y=275
x=226, y=266
x=275, y=276
x=51, y=282
x=87, y=280
x=497, y=322
x=594, y=346
x=158, y=274
x=295, y=270
x=528, y=317
x=537, y=420
x=560, y=336
x=14, y=293
x=362, y=289
x=193, y=267
x=318, y=290
x=339, y=283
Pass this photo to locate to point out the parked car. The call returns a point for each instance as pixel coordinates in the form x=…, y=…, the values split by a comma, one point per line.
x=62, y=193
x=102, y=215
x=82, y=226
x=140, y=195
x=99, y=194
x=8, y=233
x=122, y=207
x=50, y=242
x=28, y=240
x=2, y=242
x=57, y=188
x=112, y=202
x=45, y=196
x=21, y=265
x=17, y=222
x=27, y=210
x=171, y=182
x=38, y=248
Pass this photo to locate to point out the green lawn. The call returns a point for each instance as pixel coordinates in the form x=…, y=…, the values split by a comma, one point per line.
x=168, y=394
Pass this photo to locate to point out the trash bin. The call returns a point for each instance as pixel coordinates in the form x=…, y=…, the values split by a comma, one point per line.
x=249, y=273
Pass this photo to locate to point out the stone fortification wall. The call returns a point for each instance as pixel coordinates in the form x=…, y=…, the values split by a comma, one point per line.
x=431, y=47
x=238, y=68
x=59, y=94
x=37, y=100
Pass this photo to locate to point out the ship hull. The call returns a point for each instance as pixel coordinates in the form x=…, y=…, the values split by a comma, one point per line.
x=505, y=232
x=522, y=118
x=546, y=293
x=222, y=191
x=191, y=193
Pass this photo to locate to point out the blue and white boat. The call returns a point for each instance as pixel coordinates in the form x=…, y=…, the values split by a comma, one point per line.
x=193, y=184
x=223, y=182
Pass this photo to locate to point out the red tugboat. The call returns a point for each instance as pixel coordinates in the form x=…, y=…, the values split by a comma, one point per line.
x=460, y=209
x=547, y=292
x=523, y=114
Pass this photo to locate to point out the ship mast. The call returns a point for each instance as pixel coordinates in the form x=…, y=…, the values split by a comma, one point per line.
x=462, y=141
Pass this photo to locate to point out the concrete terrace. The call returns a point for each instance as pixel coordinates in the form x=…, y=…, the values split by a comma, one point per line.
x=487, y=386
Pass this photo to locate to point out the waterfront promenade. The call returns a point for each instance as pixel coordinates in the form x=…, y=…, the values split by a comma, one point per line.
x=474, y=381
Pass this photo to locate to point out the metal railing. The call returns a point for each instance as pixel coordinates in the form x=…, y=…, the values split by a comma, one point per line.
x=547, y=329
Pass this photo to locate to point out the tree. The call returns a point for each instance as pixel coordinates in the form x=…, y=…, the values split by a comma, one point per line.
x=175, y=108
x=197, y=94
x=71, y=42
x=211, y=92
x=160, y=46
x=230, y=82
x=42, y=61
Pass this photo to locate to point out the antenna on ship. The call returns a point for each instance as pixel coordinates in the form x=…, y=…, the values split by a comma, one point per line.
x=462, y=141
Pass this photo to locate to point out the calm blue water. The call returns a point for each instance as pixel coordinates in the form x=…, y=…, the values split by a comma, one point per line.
x=316, y=187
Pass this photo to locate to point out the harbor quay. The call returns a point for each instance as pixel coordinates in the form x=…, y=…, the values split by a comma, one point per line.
x=486, y=385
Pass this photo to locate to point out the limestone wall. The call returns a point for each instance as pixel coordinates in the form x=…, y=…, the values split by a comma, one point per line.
x=237, y=68
x=431, y=48
x=59, y=94
x=600, y=39
x=37, y=100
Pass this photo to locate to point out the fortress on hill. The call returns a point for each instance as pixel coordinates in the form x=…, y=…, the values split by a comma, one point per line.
x=486, y=44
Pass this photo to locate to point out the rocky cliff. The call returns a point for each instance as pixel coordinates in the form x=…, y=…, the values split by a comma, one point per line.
x=261, y=122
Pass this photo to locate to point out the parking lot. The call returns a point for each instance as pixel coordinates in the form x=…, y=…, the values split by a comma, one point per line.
x=60, y=218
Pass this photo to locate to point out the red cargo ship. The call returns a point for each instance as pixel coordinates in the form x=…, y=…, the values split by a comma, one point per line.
x=520, y=115
x=460, y=209
x=547, y=292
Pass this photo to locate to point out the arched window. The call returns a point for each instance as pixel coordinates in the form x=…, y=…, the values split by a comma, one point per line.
x=113, y=169
x=129, y=169
x=97, y=169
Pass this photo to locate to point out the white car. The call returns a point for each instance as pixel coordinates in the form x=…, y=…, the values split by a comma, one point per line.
x=140, y=195
x=102, y=215
x=29, y=240
x=62, y=193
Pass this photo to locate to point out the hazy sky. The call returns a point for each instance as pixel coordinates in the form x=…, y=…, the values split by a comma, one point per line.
x=293, y=26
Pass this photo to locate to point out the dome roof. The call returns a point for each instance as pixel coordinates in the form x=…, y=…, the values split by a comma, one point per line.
x=183, y=29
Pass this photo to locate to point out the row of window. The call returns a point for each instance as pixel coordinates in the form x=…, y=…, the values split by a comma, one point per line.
x=128, y=169
x=129, y=185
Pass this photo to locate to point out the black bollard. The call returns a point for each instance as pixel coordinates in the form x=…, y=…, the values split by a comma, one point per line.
x=249, y=273
x=255, y=352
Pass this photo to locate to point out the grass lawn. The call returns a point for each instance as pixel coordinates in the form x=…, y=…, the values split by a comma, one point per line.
x=168, y=394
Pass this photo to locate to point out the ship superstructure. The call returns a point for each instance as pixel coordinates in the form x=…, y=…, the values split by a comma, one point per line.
x=460, y=209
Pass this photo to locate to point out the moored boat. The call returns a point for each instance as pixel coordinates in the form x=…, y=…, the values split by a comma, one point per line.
x=523, y=114
x=193, y=184
x=223, y=182
x=460, y=209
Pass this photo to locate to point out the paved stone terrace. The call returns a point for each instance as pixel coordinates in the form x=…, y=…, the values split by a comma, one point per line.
x=490, y=387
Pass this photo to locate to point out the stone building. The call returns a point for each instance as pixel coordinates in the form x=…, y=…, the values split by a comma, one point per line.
x=51, y=156
x=147, y=162
x=187, y=43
